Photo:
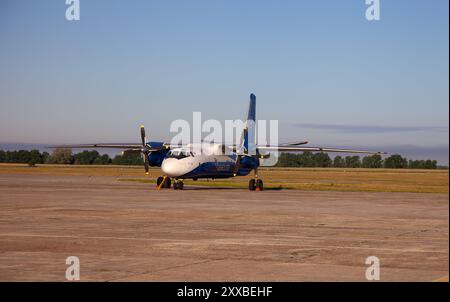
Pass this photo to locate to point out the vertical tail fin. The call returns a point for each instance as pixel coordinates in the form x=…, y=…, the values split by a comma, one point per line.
x=252, y=108
x=249, y=142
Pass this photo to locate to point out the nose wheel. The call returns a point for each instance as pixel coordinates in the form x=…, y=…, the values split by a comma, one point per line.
x=163, y=182
x=255, y=184
x=178, y=184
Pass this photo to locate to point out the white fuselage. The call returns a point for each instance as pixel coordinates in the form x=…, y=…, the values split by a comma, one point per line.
x=199, y=161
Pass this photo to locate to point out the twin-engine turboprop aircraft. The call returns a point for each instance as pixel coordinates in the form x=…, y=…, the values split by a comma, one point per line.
x=213, y=161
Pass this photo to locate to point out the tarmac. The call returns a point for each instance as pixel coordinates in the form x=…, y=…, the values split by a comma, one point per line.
x=129, y=231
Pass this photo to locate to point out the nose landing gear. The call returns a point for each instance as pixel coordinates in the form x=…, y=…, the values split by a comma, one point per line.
x=178, y=184
x=163, y=182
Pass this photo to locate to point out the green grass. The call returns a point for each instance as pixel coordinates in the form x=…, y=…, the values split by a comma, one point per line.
x=317, y=179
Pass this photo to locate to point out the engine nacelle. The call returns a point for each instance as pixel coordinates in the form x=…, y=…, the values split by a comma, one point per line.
x=249, y=162
x=156, y=158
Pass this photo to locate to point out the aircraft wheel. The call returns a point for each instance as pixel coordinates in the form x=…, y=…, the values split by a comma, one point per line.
x=259, y=185
x=176, y=185
x=180, y=184
x=159, y=181
x=251, y=185
x=167, y=183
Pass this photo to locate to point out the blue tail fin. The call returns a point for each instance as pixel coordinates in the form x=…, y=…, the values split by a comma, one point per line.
x=252, y=108
x=250, y=128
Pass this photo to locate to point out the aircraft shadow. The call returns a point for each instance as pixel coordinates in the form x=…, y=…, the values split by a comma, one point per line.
x=199, y=188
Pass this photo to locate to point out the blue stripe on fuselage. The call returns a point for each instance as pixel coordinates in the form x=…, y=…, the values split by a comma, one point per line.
x=215, y=170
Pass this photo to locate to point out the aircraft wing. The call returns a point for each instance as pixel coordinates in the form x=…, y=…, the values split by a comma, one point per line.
x=111, y=146
x=126, y=147
x=313, y=149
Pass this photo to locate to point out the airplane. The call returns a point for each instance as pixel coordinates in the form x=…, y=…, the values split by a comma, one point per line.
x=180, y=162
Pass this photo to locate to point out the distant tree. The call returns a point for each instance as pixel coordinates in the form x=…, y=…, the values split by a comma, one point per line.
x=306, y=159
x=2, y=156
x=322, y=160
x=11, y=157
x=430, y=164
x=338, y=162
x=86, y=157
x=416, y=164
x=61, y=156
x=286, y=160
x=102, y=160
x=396, y=161
x=117, y=160
x=7, y=154
x=352, y=161
x=45, y=156
x=35, y=158
x=292, y=159
x=23, y=156
x=372, y=161
x=128, y=158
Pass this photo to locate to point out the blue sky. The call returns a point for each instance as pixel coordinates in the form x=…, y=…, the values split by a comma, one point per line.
x=319, y=67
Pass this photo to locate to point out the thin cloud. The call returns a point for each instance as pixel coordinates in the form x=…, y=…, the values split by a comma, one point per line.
x=372, y=129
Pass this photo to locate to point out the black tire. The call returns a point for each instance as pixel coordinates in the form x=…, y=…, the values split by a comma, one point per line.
x=259, y=184
x=176, y=185
x=167, y=183
x=180, y=185
x=251, y=185
x=159, y=181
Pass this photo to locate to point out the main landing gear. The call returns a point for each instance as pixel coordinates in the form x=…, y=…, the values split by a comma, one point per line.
x=255, y=184
x=164, y=182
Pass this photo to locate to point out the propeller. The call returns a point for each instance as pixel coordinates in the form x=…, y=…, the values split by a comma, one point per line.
x=237, y=164
x=239, y=157
x=296, y=143
x=145, y=150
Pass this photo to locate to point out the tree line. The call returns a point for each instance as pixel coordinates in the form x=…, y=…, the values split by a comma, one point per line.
x=306, y=159
x=395, y=161
x=64, y=156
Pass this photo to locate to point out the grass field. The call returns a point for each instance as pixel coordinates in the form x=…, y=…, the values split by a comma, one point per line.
x=320, y=179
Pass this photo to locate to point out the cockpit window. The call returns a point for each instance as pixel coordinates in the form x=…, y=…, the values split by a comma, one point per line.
x=179, y=154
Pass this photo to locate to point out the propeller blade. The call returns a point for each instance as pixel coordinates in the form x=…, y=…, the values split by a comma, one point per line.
x=146, y=164
x=145, y=149
x=237, y=165
x=143, y=138
x=297, y=143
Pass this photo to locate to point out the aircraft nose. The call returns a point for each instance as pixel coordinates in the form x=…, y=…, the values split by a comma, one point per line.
x=170, y=167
